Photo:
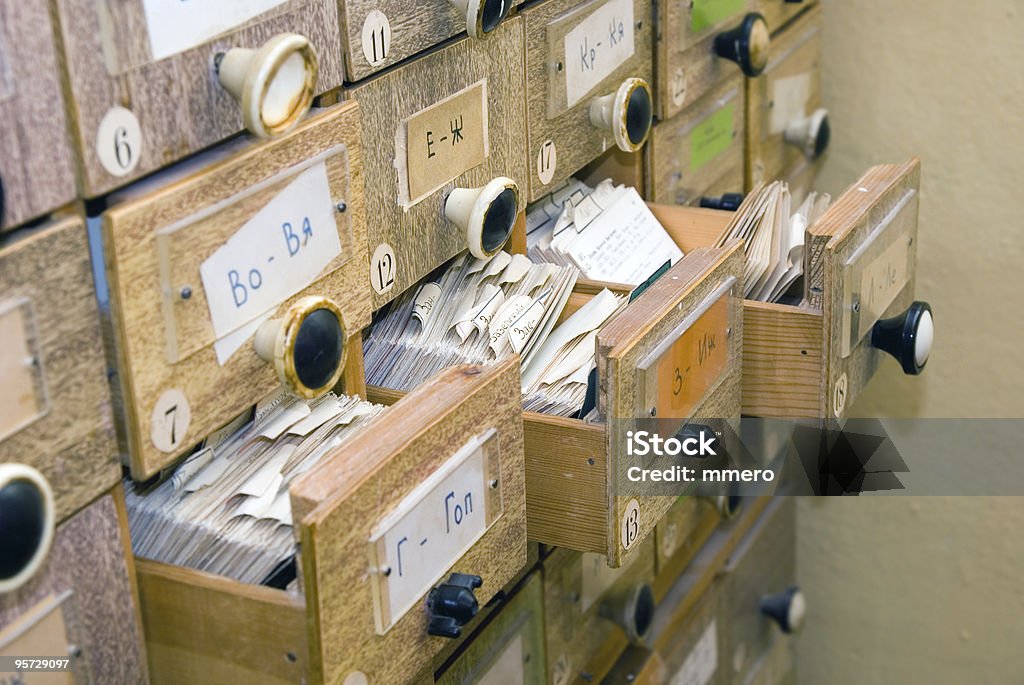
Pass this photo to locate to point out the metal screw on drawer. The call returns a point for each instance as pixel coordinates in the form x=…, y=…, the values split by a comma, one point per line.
x=493, y=483
x=452, y=605
x=186, y=293
x=341, y=207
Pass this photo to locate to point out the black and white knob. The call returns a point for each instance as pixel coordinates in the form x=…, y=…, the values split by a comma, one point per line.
x=787, y=609
x=811, y=134
x=747, y=45
x=631, y=608
x=627, y=114
x=27, y=522
x=907, y=337
x=482, y=16
x=486, y=215
x=307, y=346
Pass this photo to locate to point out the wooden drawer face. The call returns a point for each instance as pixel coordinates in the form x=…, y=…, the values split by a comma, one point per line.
x=571, y=58
x=222, y=223
x=451, y=119
x=680, y=534
x=55, y=413
x=778, y=13
x=143, y=96
x=776, y=667
x=687, y=65
x=691, y=647
x=510, y=650
x=588, y=608
x=700, y=149
x=37, y=169
x=788, y=92
x=83, y=595
x=380, y=33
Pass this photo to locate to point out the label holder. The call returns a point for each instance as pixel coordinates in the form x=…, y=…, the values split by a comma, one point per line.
x=26, y=398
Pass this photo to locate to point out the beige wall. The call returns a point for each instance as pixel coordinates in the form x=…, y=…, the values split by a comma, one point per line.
x=930, y=590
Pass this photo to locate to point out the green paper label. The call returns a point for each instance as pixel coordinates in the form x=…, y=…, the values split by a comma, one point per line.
x=708, y=13
x=712, y=137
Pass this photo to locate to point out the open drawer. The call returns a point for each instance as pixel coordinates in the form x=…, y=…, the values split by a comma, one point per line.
x=404, y=531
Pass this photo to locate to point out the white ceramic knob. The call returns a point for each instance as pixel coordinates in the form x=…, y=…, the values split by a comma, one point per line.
x=486, y=214
x=788, y=609
x=482, y=16
x=28, y=519
x=810, y=134
x=274, y=85
x=627, y=114
x=307, y=346
x=907, y=337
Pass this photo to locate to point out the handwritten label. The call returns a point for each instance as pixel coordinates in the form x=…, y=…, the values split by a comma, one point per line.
x=712, y=137
x=881, y=281
x=23, y=399
x=119, y=141
x=426, y=298
x=177, y=25
x=39, y=632
x=789, y=101
x=507, y=669
x=707, y=13
x=701, y=664
x=376, y=37
x=597, y=47
x=446, y=140
x=433, y=526
x=276, y=254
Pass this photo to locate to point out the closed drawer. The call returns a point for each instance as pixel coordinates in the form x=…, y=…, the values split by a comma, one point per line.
x=380, y=33
x=55, y=411
x=690, y=649
x=778, y=13
x=450, y=453
x=682, y=532
x=592, y=612
x=510, y=649
x=147, y=86
x=703, y=43
x=37, y=168
x=699, y=150
x=264, y=238
x=451, y=119
x=80, y=601
x=788, y=128
x=589, y=82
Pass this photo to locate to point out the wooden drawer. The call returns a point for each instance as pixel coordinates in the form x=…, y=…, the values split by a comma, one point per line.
x=638, y=665
x=688, y=48
x=451, y=119
x=190, y=258
x=701, y=149
x=81, y=601
x=509, y=650
x=37, y=168
x=787, y=126
x=681, y=533
x=778, y=13
x=592, y=612
x=572, y=59
x=55, y=412
x=142, y=76
x=380, y=33
x=690, y=649
x=461, y=430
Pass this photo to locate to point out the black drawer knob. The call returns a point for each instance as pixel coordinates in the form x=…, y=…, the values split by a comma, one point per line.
x=482, y=16
x=727, y=506
x=787, y=609
x=627, y=114
x=631, y=608
x=307, y=346
x=27, y=521
x=452, y=605
x=729, y=202
x=907, y=337
x=486, y=215
x=747, y=45
x=810, y=134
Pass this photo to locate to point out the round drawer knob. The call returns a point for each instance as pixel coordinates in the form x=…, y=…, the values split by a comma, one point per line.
x=810, y=134
x=274, y=84
x=727, y=505
x=452, y=605
x=482, y=16
x=907, y=337
x=307, y=346
x=786, y=608
x=627, y=113
x=486, y=214
x=746, y=45
x=27, y=522
x=632, y=609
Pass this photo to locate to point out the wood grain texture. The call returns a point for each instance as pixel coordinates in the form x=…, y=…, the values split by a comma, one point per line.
x=778, y=13
x=421, y=237
x=623, y=168
x=692, y=227
x=672, y=175
x=73, y=442
x=795, y=53
x=679, y=536
x=137, y=289
x=37, y=168
x=88, y=559
x=415, y=27
x=179, y=102
x=783, y=360
x=830, y=243
x=340, y=503
x=577, y=141
x=637, y=666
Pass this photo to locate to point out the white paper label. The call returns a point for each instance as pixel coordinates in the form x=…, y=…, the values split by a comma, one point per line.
x=547, y=161
x=700, y=666
x=789, y=101
x=177, y=25
x=376, y=37
x=119, y=141
x=430, y=529
x=276, y=254
x=597, y=47
x=170, y=420
x=508, y=667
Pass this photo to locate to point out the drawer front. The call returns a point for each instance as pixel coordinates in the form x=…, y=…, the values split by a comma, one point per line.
x=83, y=596
x=192, y=275
x=691, y=648
x=55, y=414
x=680, y=535
x=381, y=33
x=590, y=609
x=687, y=64
x=572, y=57
x=37, y=169
x=787, y=94
x=672, y=355
x=510, y=649
x=777, y=667
x=436, y=486
x=451, y=119
x=779, y=13
x=701, y=149
x=637, y=666
x=142, y=83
